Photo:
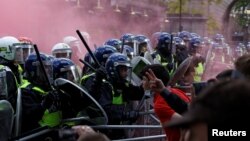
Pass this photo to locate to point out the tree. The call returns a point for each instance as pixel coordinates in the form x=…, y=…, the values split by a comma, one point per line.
x=212, y=25
x=173, y=7
x=239, y=8
x=214, y=1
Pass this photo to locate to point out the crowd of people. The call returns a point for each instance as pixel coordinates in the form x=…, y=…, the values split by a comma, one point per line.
x=40, y=91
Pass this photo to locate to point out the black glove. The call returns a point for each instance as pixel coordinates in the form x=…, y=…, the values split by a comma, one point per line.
x=51, y=98
x=131, y=115
x=100, y=74
x=170, y=66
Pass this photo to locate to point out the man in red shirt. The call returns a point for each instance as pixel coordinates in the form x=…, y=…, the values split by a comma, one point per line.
x=169, y=103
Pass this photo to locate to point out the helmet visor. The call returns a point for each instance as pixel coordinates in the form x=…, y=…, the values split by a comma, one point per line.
x=27, y=50
x=70, y=73
x=40, y=74
x=144, y=47
x=19, y=55
x=62, y=54
x=23, y=50
x=128, y=52
x=124, y=71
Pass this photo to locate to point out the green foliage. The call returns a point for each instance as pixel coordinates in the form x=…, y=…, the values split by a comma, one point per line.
x=212, y=25
x=242, y=20
x=241, y=3
x=214, y=1
x=196, y=11
x=174, y=6
x=241, y=17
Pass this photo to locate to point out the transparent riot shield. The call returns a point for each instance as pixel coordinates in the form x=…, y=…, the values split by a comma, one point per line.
x=218, y=58
x=180, y=71
x=18, y=114
x=92, y=113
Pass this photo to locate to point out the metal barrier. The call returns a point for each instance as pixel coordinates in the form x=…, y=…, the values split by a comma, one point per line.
x=143, y=138
x=127, y=126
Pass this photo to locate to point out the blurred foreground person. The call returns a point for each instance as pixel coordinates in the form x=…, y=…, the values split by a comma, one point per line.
x=86, y=133
x=242, y=65
x=217, y=112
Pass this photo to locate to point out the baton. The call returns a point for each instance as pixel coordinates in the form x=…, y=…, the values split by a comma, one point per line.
x=87, y=47
x=87, y=64
x=42, y=66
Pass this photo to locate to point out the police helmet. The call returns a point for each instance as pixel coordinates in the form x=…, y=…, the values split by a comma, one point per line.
x=113, y=63
x=65, y=68
x=34, y=70
x=103, y=52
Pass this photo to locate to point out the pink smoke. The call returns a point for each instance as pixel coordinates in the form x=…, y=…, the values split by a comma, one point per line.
x=46, y=22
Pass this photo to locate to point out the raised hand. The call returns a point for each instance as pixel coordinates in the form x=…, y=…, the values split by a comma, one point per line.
x=152, y=82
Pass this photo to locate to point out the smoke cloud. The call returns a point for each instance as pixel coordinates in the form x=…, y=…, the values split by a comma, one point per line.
x=46, y=22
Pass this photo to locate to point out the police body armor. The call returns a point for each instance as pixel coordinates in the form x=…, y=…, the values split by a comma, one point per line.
x=8, y=85
x=3, y=84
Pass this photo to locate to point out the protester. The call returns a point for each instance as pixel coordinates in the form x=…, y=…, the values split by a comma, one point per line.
x=169, y=103
x=86, y=133
x=242, y=64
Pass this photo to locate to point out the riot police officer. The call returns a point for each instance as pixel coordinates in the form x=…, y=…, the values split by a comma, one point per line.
x=198, y=60
x=8, y=55
x=143, y=45
x=112, y=90
x=115, y=43
x=128, y=39
x=164, y=54
x=65, y=68
x=101, y=53
x=181, y=51
x=61, y=50
x=39, y=103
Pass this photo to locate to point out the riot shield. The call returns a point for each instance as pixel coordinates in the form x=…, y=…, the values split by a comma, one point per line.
x=92, y=112
x=149, y=57
x=6, y=120
x=138, y=63
x=180, y=71
x=18, y=115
